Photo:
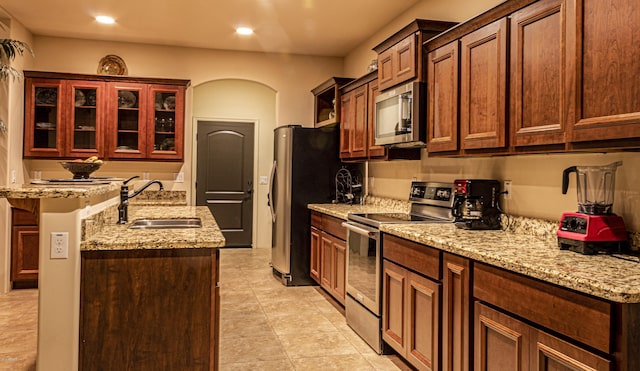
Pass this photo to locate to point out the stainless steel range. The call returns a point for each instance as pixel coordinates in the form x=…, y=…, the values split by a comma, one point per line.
x=430, y=203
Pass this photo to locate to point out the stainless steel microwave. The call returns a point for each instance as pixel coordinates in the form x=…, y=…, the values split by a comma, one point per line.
x=399, y=114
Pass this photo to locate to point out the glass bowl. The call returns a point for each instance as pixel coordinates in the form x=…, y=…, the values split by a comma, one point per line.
x=81, y=170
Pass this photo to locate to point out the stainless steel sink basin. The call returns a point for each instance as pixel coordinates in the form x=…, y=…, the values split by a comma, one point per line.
x=178, y=223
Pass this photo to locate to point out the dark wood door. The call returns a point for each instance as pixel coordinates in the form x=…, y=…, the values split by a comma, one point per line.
x=483, y=79
x=224, y=180
x=316, y=242
x=358, y=140
x=606, y=43
x=442, y=107
x=539, y=81
x=422, y=318
x=456, y=313
x=501, y=342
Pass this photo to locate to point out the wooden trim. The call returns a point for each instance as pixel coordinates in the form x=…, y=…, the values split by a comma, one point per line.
x=418, y=25
x=107, y=78
x=420, y=258
x=333, y=226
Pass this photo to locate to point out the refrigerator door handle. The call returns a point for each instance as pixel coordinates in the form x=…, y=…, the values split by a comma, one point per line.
x=270, y=194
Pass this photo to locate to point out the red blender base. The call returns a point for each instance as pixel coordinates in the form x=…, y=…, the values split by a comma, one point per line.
x=592, y=234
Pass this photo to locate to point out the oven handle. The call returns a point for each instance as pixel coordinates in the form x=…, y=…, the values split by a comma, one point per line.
x=359, y=230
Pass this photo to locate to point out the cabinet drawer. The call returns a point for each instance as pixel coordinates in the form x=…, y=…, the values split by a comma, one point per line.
x=420, y=258
x=316, y=219
x=22, y=217
x=334, y=226
x=577, y=316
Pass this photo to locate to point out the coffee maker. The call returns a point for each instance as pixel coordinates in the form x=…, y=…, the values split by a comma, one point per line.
x=475, y=203
x=594, y=228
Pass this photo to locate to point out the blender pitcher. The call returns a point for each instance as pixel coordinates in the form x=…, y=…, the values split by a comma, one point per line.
x=595, y=186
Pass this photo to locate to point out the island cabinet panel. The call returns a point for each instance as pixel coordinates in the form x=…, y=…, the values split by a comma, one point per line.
x=483, y=87
x=149, y=310
x=25, y=249
x=442, y=107
x=606, y=104
x=539, y=81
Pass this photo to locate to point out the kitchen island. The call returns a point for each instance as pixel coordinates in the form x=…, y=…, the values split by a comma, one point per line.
x=87, y=214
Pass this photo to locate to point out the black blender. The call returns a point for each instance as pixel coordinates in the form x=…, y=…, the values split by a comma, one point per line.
x=594, y=228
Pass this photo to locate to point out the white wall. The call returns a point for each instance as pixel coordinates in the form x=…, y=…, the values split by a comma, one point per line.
x=244, y=101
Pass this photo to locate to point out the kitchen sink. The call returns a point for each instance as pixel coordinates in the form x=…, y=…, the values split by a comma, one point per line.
x=177, y=223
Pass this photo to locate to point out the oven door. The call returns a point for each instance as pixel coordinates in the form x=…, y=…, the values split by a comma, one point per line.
x=364, y=265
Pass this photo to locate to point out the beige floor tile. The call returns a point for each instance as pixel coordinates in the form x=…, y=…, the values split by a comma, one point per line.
x=249, y=325
x=279, y=365
x=300, y=322
x=386, y=363
x=323, y=344
x=349, y=362
x=251, y=349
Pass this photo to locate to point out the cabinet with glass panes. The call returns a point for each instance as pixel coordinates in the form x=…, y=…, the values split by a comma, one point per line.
x=112, y=117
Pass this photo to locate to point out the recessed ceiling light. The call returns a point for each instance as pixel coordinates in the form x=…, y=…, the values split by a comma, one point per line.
x=105, y=19
x=244, y=31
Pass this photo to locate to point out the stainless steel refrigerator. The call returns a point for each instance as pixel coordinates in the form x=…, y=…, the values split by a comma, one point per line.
x=304, y=167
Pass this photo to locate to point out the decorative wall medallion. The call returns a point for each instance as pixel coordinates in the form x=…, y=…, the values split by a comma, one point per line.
x=112, y=65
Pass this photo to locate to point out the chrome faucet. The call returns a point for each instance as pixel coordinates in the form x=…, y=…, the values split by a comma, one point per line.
x=123, y=216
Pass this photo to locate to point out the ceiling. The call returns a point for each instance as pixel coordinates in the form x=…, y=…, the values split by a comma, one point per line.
x=310, y=27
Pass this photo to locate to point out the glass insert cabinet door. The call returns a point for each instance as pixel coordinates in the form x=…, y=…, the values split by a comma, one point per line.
x=86, y=117
x=43, y=122
x=165, y=137
x=129, y=135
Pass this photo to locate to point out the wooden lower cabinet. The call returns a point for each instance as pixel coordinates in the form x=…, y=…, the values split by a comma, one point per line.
x=149, y=310
x=315, y=254
x=333, y=266
x=456, y=313
x=411, y=316
x=25, y=249
x=329, y=254
x=505, y=343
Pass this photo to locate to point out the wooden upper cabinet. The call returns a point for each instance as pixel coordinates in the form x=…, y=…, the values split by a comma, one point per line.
x=44, y=117
x=78, y=116
x=483, y=87
x=346, y=124
x=607, y=100
x=358, y=147
x=127, y=120
x=442, y=98
x=85, y=119
x=165, y=125
x=539, y=82
x=326, y=101
x=398, y=63
x=374, y=150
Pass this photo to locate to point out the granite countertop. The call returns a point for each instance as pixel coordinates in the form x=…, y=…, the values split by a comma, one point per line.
x=119, y=237
x=375, y=205
x=603, y=276
x=58, y=191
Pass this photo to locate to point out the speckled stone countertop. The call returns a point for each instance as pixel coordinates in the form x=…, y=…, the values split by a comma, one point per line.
x=528, y=247
x=373, y=205
x=119, y=237
x=58, y=191
x=602, y=276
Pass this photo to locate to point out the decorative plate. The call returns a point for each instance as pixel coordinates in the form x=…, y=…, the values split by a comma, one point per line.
x=46, y=96
x=112, y=65
x=170, y=103
x=126, y=99
x=80, y=98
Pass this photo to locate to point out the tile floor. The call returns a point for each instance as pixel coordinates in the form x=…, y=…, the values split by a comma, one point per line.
x=264, y=325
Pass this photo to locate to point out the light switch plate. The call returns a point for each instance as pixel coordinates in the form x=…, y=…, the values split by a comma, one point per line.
x=263, y=180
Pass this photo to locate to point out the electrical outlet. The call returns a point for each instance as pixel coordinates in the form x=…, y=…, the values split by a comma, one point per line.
x=59, y=245
x=13, y=177
x=506, y=187
x=145, y=175
x=179, y=177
